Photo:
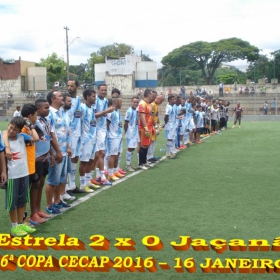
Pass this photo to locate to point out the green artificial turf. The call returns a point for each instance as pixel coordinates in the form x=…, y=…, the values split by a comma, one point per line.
x=227, y=187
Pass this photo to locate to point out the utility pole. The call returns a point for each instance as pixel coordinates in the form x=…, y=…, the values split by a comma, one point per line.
x=67, y=51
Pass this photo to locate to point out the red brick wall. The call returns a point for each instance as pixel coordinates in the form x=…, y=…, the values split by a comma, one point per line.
x=9, y=71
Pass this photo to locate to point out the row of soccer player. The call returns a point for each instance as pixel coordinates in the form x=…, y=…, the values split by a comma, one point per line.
x=67, y=128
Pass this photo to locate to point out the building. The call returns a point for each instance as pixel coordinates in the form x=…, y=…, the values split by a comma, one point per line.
x=126, y=73
x=17, y=76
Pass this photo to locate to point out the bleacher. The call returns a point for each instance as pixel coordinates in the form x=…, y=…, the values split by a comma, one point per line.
x=252, y=104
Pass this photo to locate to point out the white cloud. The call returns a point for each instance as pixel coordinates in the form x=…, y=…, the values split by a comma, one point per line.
x=33, y=29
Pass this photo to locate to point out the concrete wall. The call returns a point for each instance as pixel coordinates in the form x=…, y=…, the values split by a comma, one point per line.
x=23, y=72
x=121, y=82
x=10, y=85
x=37, y=78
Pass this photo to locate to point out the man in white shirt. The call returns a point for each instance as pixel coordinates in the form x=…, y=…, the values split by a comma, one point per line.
x=17, y=112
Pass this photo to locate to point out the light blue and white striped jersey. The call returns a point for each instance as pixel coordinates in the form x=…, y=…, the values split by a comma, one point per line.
x=88, y=124
x=189, y=110
x=75, y=116
x=177, y=109
x=131, y=117
x=101, y=105
x=2, y=145
x=199, y=119
x=115, y=127
x=60, y=127
x=169, y=110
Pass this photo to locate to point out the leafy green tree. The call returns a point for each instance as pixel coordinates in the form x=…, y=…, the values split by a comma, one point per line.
x=208, y=57
x=145, y=57
x=115, y=50
x=55, y=68
x=170, y=80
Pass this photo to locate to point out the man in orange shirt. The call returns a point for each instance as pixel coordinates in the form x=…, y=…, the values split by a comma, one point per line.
x=145, y=127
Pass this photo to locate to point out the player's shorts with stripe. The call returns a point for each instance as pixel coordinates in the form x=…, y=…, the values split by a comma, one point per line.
x=100, y=140
x=75, y=145
x=171, y=133
x=87, y=150
x=17, y=193
x=114, y=146
x=132, y=143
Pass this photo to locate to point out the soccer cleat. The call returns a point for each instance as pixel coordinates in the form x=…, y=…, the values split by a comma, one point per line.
x=190, y=143
x=156, y=158
x=78, y=190
x=87, y=189
x=151, y=161
x=143, y=167
x=106, y=182
x=129, y=168
x=43, y=215
x=53, y=210
x=121, y=171
x=171, y=156
x=119, y=175
x=61, y=204
x=26, y=228
x=182, y=147
x=91, y=185
x=36, y=218
x=98, y=179
x=113, y=177
x=199, y=142
x=67, y=196
x=233, y=126
x=31, y=223
x=18, y=231
x=95, y=182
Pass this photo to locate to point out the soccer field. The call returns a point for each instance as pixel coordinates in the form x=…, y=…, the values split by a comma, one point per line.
x=226, y=188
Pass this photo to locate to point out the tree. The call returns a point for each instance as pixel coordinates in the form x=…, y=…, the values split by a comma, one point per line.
x=115, y=50
x=208, y=57
x=55, y=68
x=146, y=58
x=170, y=80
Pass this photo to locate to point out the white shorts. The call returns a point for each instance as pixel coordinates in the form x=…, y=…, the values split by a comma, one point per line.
x=114, y=146
x=87, y=151
x=132, y=143
x=75, y=145
x=100, y=140
x=183, y=129
x=190, y=126
x=171, y=134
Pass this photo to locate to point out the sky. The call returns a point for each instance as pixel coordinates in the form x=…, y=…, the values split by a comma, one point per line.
x=33, y=29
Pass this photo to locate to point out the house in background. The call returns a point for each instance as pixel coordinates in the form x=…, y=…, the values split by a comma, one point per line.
x=17, y=76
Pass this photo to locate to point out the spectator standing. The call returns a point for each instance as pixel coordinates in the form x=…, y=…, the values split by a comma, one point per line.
x=221, y=89
x=17, y=112
x=265, y=108
x=183, y=92
x=273, y=106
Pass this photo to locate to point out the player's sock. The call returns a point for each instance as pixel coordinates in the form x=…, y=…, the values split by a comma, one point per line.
x=128, y=157
x=88, y=177
x=98, y=174
x=73, y=175
x=102, y=173
x=82, y=181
